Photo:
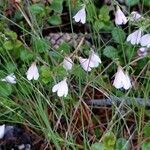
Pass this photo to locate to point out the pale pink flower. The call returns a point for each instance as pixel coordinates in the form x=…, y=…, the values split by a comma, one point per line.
x=120, y=18
x=135, y=16
x=85, y=63
x=142, y=51
x=32, y=72
x=145, y=40
x=122, y=80
x=11, y=78
x=67, y=63
x=61, y=88
x=94, y=58
x=135, y=37
x=80, y=16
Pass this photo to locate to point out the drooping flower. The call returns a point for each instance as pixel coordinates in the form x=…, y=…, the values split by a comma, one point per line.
x=67, y=63
x=85, y=63
x=135, y=16
x=142, y=51
x=135, y=37
x=32, y=72
x=81, y=15
x=122, y=80
x=61, y=88
x=11, y=78
x=94, y=59
x=2, y=131
x=120, y=18
x=145, y=40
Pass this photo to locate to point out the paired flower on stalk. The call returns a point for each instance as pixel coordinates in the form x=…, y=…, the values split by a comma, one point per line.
x=92, y=62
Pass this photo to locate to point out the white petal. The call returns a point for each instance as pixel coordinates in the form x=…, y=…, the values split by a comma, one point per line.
x=61, y=88
x=119, y=77
x=32, y=72
x=120, y=18
x=10, y=79
x=135, y=37
x=145, y=40
x=55, y=87
x=67, y=63
x=85, y=63
x=2, y=131
x=94, y=59
x=80, y=16
x=127, y=82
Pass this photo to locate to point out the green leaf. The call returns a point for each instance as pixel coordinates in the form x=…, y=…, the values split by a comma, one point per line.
x=104, y=14
x=10, y=34
x=147, y=129
x=57, y=6
x=54, y=20
x=97, y=146
x=17, y=44
x=40, y=45
x=46, y=74
x=64, y=48
x=121, y=144
x=37, y=9
x=98, y=25
x=5, y=89
x=109, y=141
x=11, y=67
x=25, y=55
x=8, y=45
x=132, y=2
x=110, y=52
x=146, y=146
x=118, y=35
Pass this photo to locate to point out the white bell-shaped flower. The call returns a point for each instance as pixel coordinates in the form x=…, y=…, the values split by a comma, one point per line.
x=67, y=63
x=86, y=63
x=32, y=72
x=2, y=131
x=94, y=59
x=135, y=16
x=122, y=80
x=61, y=88
x=120, y=18
x=135, y=37
x=80, y=15
x=11, y=78
x=145, y=40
